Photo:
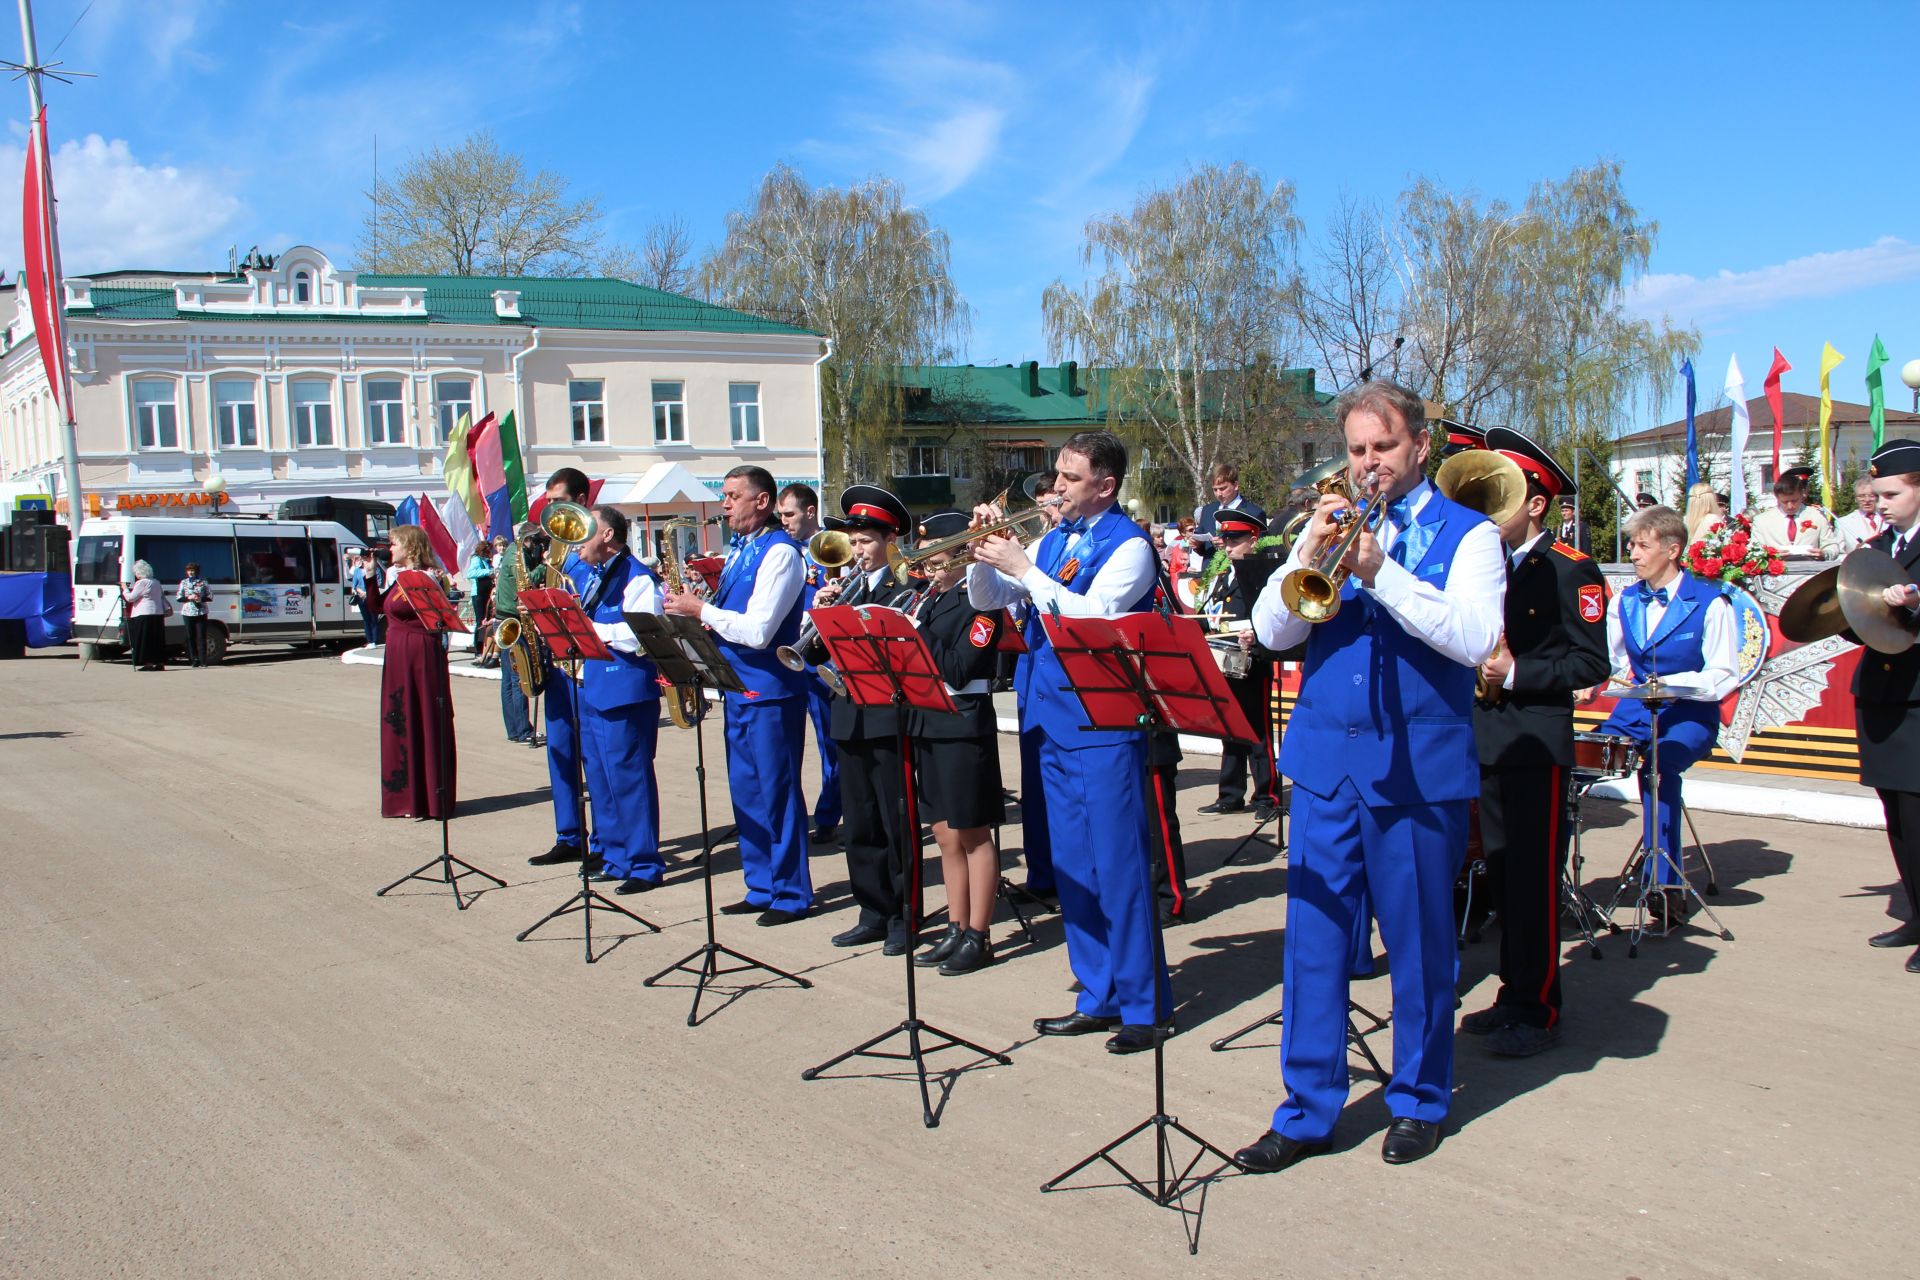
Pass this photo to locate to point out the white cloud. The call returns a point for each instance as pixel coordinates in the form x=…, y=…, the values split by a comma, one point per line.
x=943, y=121
x=117, y=212
x=1691, y=299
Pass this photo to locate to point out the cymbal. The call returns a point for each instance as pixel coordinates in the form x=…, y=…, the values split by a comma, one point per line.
x=1812, y=612
x=1864, y=577
x=1654, y=690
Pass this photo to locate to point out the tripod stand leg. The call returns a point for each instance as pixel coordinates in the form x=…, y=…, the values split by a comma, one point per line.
x=1713, y=880
x=1006, y=896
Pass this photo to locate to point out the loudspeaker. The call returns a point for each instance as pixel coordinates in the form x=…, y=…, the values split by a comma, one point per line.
x=39, y=549
x=31, y=516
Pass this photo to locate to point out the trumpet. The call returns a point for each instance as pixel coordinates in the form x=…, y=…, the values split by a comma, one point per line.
x=1312, y=591
x=1024, y=525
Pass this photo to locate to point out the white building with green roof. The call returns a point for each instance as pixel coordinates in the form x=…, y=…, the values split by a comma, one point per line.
x=294, y=378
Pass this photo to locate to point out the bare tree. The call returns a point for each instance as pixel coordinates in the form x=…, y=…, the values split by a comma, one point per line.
x=1350, y=299
x=1188, y=307
x=862, y=269
x=475, y=210
x=662, y=260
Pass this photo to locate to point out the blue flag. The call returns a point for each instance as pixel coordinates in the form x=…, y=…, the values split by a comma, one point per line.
x=1693, y=441
x=407, y=511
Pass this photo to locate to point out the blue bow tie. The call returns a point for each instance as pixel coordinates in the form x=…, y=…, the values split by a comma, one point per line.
x=1657, y=595
x=1073, y=528
x=1400, y=511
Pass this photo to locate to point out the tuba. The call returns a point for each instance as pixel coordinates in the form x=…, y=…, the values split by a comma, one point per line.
x=1492, y=484
x=684, y=702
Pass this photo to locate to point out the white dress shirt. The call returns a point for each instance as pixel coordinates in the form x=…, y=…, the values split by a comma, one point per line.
x=1121, y=580
x=1460, y=618
x=642, y=596
x=1856, y=529
x=777, y=583
x=1720, y=643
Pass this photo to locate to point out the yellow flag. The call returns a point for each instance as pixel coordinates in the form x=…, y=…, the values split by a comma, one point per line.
x=1829, y=361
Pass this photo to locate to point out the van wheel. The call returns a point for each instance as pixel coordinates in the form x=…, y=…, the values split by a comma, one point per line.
x=216, y=644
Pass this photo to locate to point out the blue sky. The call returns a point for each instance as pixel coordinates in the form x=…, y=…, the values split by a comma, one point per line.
x=1767, y=139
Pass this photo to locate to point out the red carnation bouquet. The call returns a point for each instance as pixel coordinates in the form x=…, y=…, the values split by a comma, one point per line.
x=1728, y=552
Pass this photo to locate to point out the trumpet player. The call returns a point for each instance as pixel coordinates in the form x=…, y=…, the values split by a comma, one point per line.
x=873, y=776
x=1555, y=642
x=1095, y=563
x=799, y=511
x=1381, y=755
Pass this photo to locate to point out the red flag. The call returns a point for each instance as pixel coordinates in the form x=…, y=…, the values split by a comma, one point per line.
x=539, y=504
x=37, y=241
x=1772, y=385
x=436, y=531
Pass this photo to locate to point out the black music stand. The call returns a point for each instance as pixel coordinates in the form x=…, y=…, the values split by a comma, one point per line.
x=686, y=655
x=438, y=616
x=885, y=663
x=1140, y=673
x=558, y=619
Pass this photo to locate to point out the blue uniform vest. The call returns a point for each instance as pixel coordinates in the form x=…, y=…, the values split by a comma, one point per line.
x=628, y=679
x=1379, y=707
x=1046, y=703
x=758, y=669
x=1679, y=644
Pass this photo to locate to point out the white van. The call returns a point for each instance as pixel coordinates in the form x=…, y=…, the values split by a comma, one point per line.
x=274, y=581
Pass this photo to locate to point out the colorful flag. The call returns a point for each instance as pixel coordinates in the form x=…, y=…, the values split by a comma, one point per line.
x=407, y=511
x=1829, y=361
x=48, y=317
x=1693, y=440
x=539, y=504
x=458, y=469
x=1772, y=386
x=460, y=526
x=1742, y=425
x=445, y=549
x=1876, y=393
x=490, y=475
x=510, y=463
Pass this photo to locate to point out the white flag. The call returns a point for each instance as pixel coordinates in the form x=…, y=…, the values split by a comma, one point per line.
x=460, y=525
x=1737, y=396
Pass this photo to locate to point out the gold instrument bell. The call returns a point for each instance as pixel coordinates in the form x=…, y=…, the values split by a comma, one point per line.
x=1491, y=483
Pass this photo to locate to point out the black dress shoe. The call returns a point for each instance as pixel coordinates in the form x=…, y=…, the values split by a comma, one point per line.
x=898, y=943
x=1522, y=1040
x=1913, y=963
x=973, y=951
x=603, y=877
x=1074, y=1024
x=561, y=852
x=824, y=832
x=637, y=885
x=1907, y=935
x=1265, y=813
x=941, y=949
x=1224, y=806
x=1488, y=1020
x=1272, y=1153
x=742, y=908
x=1136, y=1038
x=860, y=935
x=775, y=916
x=1408, y=1140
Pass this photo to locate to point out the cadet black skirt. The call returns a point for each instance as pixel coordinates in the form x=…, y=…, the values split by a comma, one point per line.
x=960, y=781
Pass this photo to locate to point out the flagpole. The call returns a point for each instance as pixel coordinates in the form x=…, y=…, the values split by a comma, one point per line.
x=56, y=281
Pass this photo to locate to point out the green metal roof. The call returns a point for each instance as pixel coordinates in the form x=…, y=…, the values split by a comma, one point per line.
x=1029, y=394
x=559, y=304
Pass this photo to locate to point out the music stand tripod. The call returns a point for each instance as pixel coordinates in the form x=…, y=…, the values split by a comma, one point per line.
x=1142, y=673
x=686, y=655
x=437, y=614
x=570, y=637
x=885, y=663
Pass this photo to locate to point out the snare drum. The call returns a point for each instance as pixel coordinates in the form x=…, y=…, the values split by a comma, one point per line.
x=1234, y=662
x=1605, y=755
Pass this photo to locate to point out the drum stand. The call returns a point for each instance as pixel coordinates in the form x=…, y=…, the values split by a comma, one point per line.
x=1640, y=876
x=1588, y=915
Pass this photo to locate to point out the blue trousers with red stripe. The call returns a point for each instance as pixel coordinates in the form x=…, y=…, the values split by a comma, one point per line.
x=1404, y=859
x=1523, y=828
x=1097, y=820
x=764, y=742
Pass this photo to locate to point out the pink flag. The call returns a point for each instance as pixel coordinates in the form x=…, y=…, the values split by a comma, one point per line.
x=37, y=237
x=443, y=544
x=1772, y=385
x=490, y=475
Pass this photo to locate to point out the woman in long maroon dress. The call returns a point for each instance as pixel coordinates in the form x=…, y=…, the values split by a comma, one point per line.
x=416, y=704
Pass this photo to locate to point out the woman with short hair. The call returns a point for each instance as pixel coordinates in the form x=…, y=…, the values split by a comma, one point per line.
x=147, y=608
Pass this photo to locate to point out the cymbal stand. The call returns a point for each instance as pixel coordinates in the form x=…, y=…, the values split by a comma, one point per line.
x=1641, y=874
x=1588, y=915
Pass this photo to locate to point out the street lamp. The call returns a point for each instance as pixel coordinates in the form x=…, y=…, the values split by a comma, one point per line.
x=1910, y=374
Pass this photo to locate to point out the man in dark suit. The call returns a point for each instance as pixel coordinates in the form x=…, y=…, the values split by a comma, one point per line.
x=1555, y=642
x=1229, y=611
x=1886, y=688
x=1226, y=497
x=1572, y=532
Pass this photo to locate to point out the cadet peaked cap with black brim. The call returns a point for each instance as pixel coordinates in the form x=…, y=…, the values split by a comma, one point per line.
x=1237, y=521
x=1530, y=458
x=1460, y=437
x=944, y=524
x=1894, y=458
x=868, y=506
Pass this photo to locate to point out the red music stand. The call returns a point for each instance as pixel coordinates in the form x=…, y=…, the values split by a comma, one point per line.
x=569, y=635
x=885, y=663
x=438, y=616
x=1140, y=673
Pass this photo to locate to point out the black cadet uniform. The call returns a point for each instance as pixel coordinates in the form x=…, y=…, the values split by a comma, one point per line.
x=1238, y=587
x=1556, y=629
x=1886, y=691
x=957, y=756
x=872, y=774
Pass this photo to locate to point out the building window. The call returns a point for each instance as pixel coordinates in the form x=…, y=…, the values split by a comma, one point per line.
x=237, y=412
x=921, y=458
x=1306, y=455
x=386, y=412
x=312, y=412
x=669, y=413
x=743, y=408
x=452, y=400
x=1642, y=482
x=156, y=415
x=302, y=287
x=587, y=399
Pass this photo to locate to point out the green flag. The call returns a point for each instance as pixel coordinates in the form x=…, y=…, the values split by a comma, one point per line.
x=510, y=463
x=1876, y=393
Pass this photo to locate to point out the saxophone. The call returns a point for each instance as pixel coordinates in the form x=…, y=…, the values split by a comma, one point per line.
x=521, y=651
x=684, y=702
